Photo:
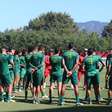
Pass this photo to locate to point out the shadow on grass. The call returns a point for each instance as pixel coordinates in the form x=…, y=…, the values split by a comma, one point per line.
x=74, y=109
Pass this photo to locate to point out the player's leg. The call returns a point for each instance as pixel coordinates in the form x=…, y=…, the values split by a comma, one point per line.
x=89, y=82
x=26, y=87
x=42, y=89
x=74, y=81
x=34, y=94
x=1, y=90
x=65, y=80
x=8, y=85
x=16, y=81
x=96, y=82
x=52, y=81
x=110, y=92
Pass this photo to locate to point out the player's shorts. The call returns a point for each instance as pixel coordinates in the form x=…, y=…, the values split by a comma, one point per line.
x=110, y=83
x=54, y=78
x=38, y=77
x=5, y=79
x=22, y=72
x=28, y=78
x=95, y=80
x=73, y=78
x=17, y=72
x=11, y=74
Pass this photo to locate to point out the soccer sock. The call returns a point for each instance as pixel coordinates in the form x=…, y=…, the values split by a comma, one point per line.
x=50, y=96
x=14, y=88
x=1, y=96
x=26, y=94
x=61, y=98
x=77, y=99
x=8, y=97
x=98, y=97
x=42, y=93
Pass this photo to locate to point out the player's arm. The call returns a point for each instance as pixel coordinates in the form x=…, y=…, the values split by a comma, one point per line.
x=102, y=65
x=76, y=65
x=64, y=66
x=34, y=68
x=107, y=62
x=10, y=59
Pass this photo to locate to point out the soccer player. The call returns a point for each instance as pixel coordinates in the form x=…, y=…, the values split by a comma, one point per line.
x=5, y=78
x=81, y=71
x=70, y=63
x=91, y=64
x=109, y=76
x=28, y=76
x=22, y=69
x=37, y=63
x=109, y=56
x=56, y=73
x=47, y=71
x=16, y=70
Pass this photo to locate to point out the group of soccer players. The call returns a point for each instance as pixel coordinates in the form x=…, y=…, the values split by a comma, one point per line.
x=31, y=67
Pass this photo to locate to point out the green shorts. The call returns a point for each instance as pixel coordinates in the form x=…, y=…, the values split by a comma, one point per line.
x=17, y=72
x=73, y=78
x=95, y=80
x=38, y=78
x=110, y=83
x=5, y=79
x=54, y=78
x=11, y=74
x=22, y=72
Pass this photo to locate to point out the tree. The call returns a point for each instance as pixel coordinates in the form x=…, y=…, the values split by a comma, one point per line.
x=57, y=22
x=107, y=32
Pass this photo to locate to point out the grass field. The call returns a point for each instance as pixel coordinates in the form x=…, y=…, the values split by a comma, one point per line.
x=21, y=106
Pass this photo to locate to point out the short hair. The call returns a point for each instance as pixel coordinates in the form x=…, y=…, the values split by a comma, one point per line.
x=70, y=46
x=90, y=51
x=30, y=48
x=56, y=50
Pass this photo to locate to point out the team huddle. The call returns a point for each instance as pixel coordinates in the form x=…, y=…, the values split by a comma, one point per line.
x=31, y=67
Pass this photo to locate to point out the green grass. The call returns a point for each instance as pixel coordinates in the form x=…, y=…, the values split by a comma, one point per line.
x=21, y=106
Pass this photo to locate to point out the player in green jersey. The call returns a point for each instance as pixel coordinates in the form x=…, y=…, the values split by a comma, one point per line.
x=28, y=76
x=109, y=76
x=5, y=78
x=56, y=73
x=22, y=69
x=109, y=56
x=70, y=63
x=91, y=63
x=16, y=69
x=37, y=63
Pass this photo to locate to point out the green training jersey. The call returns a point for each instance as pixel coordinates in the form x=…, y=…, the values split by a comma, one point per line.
x=56, y=64
x=16, y=64
x=70, y=58
x=37, y=59
x=91, y=63
x=110, y=63
x=27, y=59
x=11, y=57
x=22, y=61
x=109, y=56
x=4, y=61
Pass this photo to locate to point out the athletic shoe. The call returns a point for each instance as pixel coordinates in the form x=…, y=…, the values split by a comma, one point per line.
x=101, y=99
x=61, y=103
x=79, y=104
x=37, y=101
x=34, y=101
x=8, y=101
x=44, y=97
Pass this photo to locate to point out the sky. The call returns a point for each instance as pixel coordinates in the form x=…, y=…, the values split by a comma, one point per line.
x=17, y=13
